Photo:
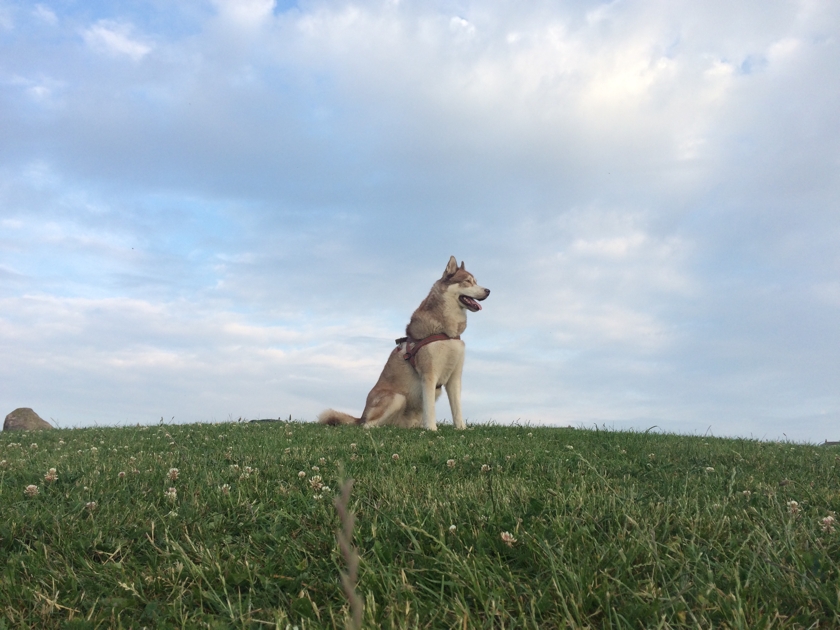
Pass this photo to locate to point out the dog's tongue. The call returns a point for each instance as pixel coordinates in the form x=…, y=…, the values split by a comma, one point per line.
x=472, y=303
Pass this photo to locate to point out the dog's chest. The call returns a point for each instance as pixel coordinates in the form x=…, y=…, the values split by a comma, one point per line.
x=440, y=356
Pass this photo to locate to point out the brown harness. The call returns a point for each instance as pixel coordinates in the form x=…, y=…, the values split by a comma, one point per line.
x=413, y=345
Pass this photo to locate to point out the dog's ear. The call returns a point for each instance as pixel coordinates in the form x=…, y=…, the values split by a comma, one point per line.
x=462, y=266
x=451, y=268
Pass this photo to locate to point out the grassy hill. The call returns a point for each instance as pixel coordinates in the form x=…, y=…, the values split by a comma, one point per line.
x=490, y=527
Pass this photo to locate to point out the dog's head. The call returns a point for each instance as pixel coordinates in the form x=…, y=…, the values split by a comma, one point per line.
x=461, y=283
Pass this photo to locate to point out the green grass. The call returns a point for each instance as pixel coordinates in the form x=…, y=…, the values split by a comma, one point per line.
x=612, y=530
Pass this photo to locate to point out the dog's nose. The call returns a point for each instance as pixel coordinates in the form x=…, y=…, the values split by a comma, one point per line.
x=486, y=292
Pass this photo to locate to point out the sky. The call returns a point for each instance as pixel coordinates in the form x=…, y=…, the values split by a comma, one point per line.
x=212, y=210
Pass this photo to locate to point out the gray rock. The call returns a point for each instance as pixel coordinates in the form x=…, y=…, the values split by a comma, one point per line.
x=24, y=419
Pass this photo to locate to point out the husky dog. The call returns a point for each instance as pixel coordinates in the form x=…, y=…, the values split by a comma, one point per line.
x=431, y=356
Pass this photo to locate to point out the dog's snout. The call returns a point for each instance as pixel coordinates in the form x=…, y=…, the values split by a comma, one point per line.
x=486, y=292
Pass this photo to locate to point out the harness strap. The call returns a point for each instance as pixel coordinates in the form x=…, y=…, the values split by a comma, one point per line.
x=413, y=345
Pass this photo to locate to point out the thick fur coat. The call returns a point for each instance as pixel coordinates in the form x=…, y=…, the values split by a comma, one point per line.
x=405, y=394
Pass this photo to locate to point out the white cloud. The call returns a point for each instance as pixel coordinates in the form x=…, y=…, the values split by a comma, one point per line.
x=116, y=39
x=43, y=90
x=613, y=247
x=119, y=345
x=46, y=14
x=6, y=20
x=461, y=28
x=783, y=49
x=245, y=13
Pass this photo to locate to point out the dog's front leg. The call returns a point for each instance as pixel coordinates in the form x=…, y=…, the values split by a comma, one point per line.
x=429, y=388
x=453, y=392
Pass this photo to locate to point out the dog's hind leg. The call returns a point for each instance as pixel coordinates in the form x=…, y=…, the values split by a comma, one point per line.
x=384, y=409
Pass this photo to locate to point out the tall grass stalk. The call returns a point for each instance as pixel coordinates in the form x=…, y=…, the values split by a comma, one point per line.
x=348, y=552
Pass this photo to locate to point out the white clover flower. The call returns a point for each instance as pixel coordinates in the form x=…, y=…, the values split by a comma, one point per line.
x=450, y=463
x=793, y=507
x=33, y=446
x=225, y=488
x=508, y=539
x=710, y=469
x=828, y=524
x=322, y=461
x=31, y=490
x=173, y=474
x=747, y=494
x=452, y=529
x=90, y=506
x=51, y=476
x=171, y=494
x=395, y=456
x=301, y=474
x=4, y=463
x=121, y=474
x=485, y=468
x=316, y=482
x=316, y=469
x=570, y=447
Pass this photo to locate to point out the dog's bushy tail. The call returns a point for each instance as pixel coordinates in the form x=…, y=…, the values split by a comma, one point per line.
x=333, y=417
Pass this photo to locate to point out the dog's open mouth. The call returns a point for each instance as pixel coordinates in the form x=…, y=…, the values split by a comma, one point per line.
x=470, y=303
